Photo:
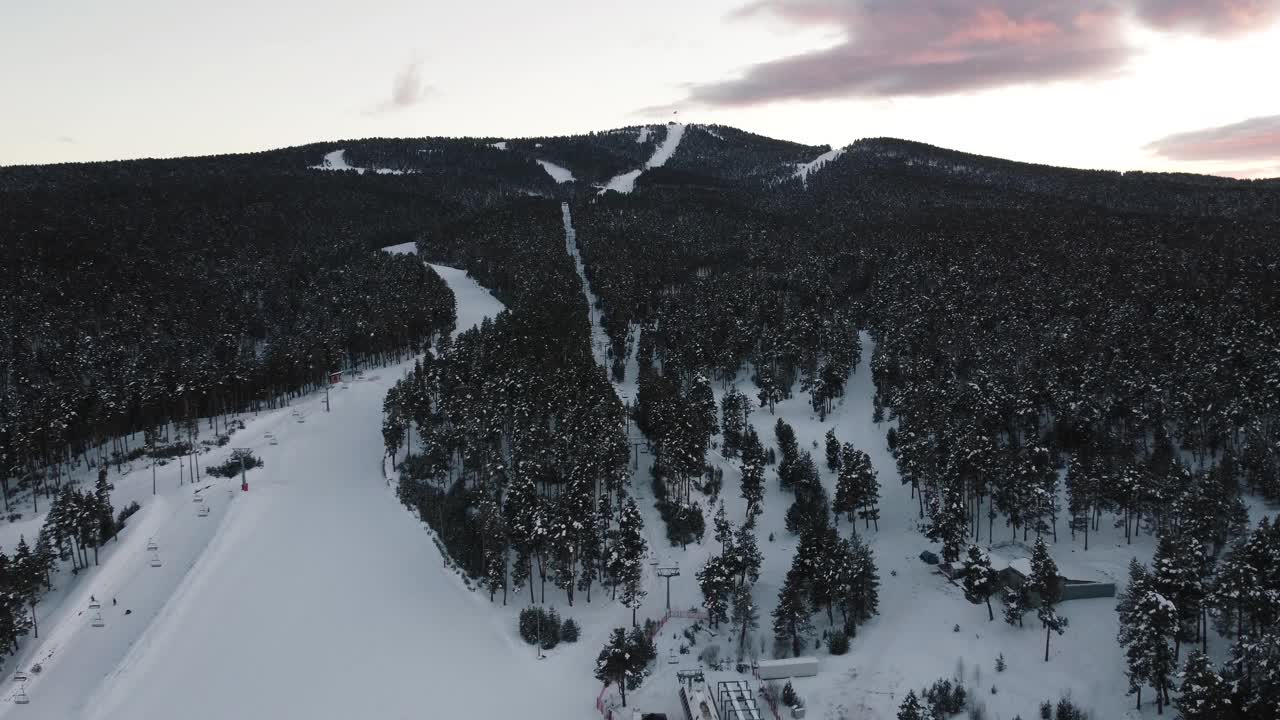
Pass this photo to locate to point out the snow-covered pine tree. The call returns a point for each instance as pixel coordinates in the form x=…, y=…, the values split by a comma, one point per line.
x=1044, y=583
x=744, y=616
x=25, y=579
x=980, y=580
x=716, y=582
x=752, y=474
x=104, y=513
x=1176, y=572
x=523, y=511
x=810, y=508
x=848, y=487
x=495, y=545
x=868, y=490
x=744, y=558
x=735, y=408
x=618, y=664
x=948, y=522
x=791, y=618
x=911, y=709
x=627, y=557
x=833, y=450
x=1205, y=695
x=863, y=586
x=1015, y=605
x=1149, y=655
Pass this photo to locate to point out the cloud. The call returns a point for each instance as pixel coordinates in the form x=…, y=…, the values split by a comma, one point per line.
x=1215, y=18
x=66, y=139
x=924, y=47
x=1256, y=139
x=408, y=89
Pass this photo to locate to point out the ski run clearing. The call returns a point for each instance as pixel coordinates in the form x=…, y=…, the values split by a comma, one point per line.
x=317, y=595
x=337, y=160
x=626, y=182
x=803, y=169
x=557, y=173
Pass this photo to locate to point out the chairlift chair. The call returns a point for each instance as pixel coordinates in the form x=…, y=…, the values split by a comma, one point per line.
x=21, y=697
x=155, y=559
x=97, y=615
x=274, y=441
x=19, y=677
x=151, y=545
x=204, y=511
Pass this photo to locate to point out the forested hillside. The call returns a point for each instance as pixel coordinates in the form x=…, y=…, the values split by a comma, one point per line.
x=1058, y=349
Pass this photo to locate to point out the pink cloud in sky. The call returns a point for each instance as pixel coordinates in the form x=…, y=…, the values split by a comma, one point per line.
x=1216, y=17
x=924, y=47
x=1255, y=139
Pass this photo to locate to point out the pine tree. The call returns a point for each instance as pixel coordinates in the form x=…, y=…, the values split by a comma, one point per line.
x=833, y=451
x=752, y=474
x=1044, y=583
x=717, y=584
x=745, y=617
x=948, y=522
x=980, y=580
x=24, y=579
x=744, y=558
x=627, y=557
x=910, y=709
x=103, y=513
x=1177, y=569
x=723, y=529
x=623, y=661
x=1149, y=655
x=1127, y=607
x=848, y=487
x=1015, y=606
x=791, y=618
x=862, y=599
x=1205, y=695
x=810, y=510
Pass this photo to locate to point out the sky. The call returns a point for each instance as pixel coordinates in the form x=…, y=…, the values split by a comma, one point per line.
x=1172, y=85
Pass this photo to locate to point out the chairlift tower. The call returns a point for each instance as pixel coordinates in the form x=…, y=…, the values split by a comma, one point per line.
x=240, y=454
x=668, y=573
x=21, y=697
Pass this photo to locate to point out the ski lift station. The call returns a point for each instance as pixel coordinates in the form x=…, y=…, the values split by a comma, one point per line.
x=732, y=699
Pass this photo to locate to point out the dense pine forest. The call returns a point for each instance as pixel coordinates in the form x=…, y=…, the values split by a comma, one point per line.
x=1057, y=349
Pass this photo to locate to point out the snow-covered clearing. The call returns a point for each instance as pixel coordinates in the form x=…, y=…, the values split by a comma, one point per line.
x=337, y=160
x=501, y=145
x=557, y=173
x=642, y=136
x=707, y=129
x=803, y=169
x=626, y=182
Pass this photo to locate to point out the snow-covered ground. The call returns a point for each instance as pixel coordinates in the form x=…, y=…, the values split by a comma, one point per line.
x=501, y=145
x=626, y=182
x=803, y=169
x=557, y=173
x=337, y=160
x=642, y=136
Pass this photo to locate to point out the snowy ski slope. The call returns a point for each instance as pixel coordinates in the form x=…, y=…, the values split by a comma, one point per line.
x=626, y=182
